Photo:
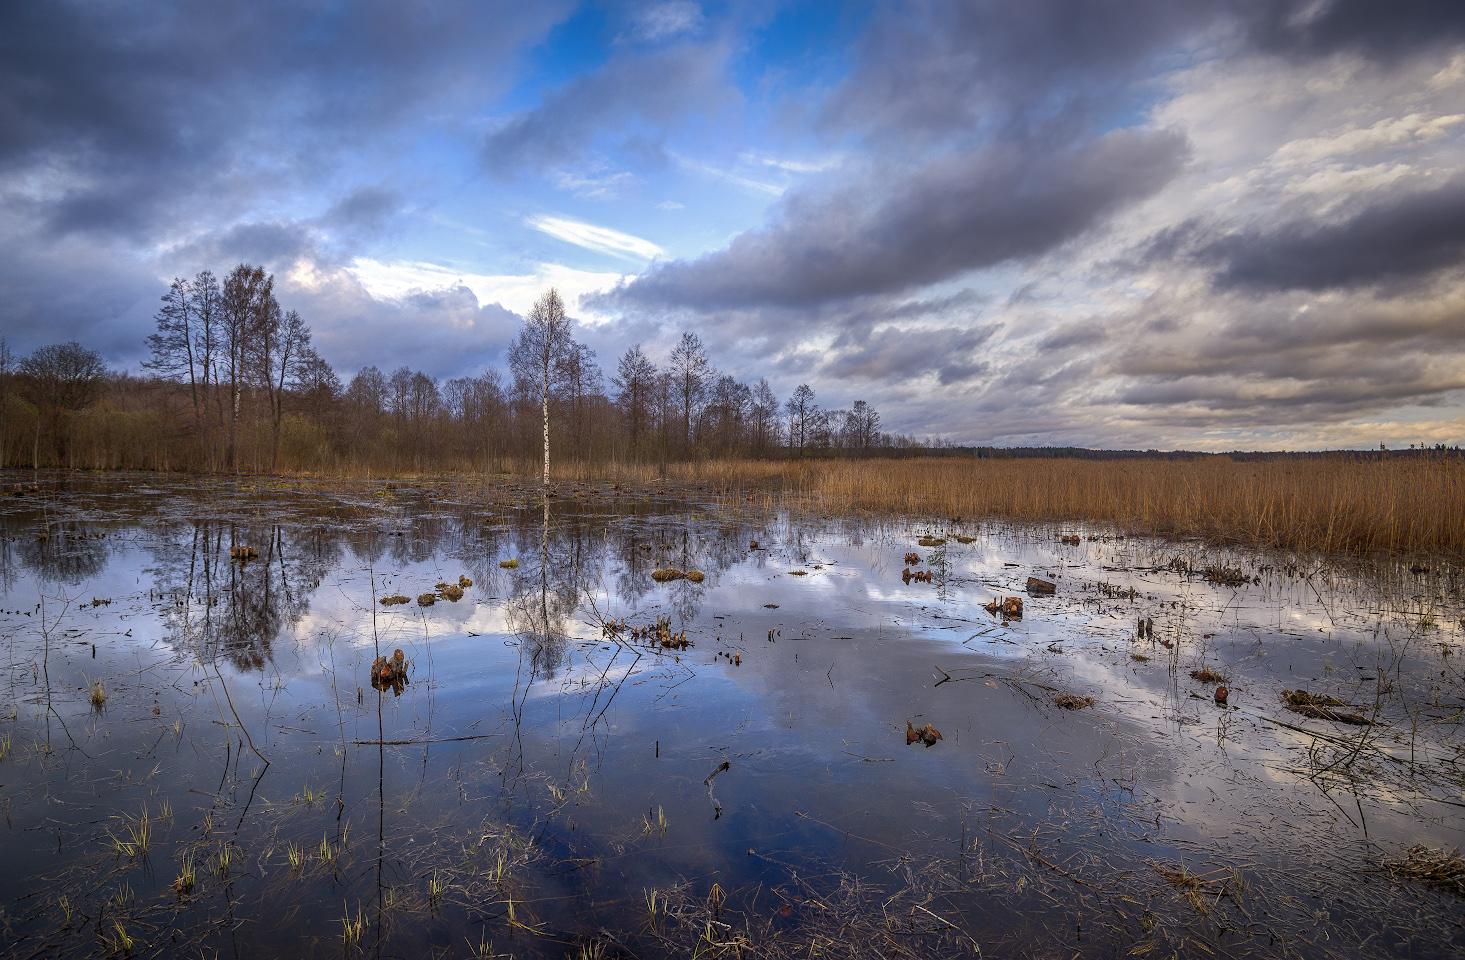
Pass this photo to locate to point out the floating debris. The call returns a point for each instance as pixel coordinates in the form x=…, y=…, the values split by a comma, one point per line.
x=752, y=544
x=798, y=573
x=920, y=576
x=390, y=673
x=1221, y=694
x=1433, y=868
x=1320, y=707
x=1072, y=701
x=1008, y=607
x=394, y=599
x=1228, y=576
x=243, y=554
x=912, y=559
x=1071, y=540
x=1207, y=675
x=927, y=734
x=1037, y=586
x=966, y=539
x=661, y=633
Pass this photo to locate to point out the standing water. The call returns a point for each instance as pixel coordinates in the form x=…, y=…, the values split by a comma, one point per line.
x=783, y=743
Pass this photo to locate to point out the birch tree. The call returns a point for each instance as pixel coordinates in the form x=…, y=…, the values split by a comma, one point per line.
x=538, y=353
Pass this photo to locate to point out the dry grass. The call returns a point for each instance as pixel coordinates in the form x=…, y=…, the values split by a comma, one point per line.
x=1331, y=504
x=1434, y=868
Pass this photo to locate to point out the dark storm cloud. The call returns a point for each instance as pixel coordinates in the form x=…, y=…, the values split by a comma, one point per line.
x=1384, y=31
x=946, y=69
x=894, y=355
x=1401, y=237
x=887, y=235
x=654, y=90
x=138, y=108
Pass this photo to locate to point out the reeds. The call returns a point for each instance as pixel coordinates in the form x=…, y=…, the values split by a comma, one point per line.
x=1413, y=505
x=96, y=693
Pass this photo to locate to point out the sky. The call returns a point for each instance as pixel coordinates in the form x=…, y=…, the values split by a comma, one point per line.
x=1210, y=225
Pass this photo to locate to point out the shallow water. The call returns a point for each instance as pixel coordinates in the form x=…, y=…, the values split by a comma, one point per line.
x=547, y=784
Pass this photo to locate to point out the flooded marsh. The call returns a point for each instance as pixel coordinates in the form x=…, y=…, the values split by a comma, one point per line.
x=258, y=718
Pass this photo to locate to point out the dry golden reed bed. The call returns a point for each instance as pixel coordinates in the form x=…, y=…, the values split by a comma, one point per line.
x=1338, y=505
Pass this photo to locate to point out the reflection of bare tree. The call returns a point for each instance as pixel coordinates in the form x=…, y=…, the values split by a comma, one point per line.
x=236, y=610
x=66, y=555
x=547, y=592
x=9, y=559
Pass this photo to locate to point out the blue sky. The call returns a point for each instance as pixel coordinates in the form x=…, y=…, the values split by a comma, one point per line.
x=1214, y=225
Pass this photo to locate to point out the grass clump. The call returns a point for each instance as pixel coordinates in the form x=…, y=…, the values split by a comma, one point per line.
x=667, y=575
x=1207, y=675
x=96, y=693
x=1321, y=707
x=353, y=930
x=394, y=599
x=1072, y=701
x=509, y=564
x=187, y=877
x=1433, y=868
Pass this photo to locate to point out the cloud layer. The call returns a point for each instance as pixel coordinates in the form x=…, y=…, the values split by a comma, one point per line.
x=1141, y=223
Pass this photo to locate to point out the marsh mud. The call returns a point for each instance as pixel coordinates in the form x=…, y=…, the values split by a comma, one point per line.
x=579, y=760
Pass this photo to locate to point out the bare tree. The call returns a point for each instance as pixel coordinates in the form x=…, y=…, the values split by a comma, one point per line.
x=799, y=409
x=537, y=354
x=862, y=426
x=635, y=380
x=278, y=347
x=691, y=369
x=764, y=416
x=580, y=375
x=247, y=299
x=172, y=345
x=729, y=405
x=60, y=380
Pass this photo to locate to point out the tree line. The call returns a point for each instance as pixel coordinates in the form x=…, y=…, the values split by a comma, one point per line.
x=233, y=383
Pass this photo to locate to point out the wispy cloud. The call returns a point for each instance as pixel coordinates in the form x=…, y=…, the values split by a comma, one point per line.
x=772, y=189
x=664, y=21
x=591, y=237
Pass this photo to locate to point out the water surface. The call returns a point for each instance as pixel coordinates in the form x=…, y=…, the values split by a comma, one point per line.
x=549, y=781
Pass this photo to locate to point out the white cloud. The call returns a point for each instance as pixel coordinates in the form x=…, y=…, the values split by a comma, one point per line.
x=591, y=237
x=666, y=20
x=401, y=277
x=670, y=205
x=753, y=158
x=596, y=184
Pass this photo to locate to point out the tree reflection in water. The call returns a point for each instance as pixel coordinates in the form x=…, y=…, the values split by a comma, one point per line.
x=234, y=609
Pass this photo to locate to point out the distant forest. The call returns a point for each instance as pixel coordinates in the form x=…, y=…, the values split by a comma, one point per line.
x=234, y=384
